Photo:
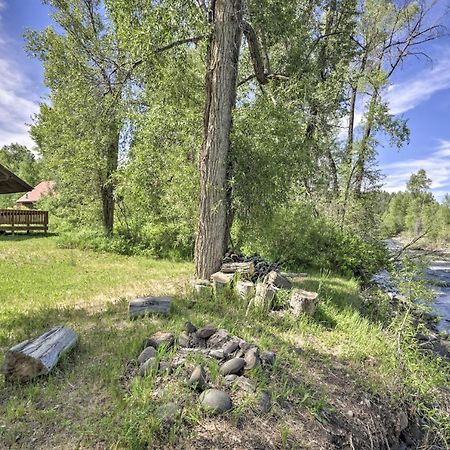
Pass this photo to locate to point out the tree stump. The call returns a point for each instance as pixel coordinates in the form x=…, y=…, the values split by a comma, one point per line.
x=221, y=280
x=303, y=302
x=149, y=305
x=38, y=356
x=245, y=289
x=277, y=280
x=263, y=299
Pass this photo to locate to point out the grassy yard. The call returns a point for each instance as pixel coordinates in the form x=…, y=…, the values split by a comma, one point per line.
x=337, y=379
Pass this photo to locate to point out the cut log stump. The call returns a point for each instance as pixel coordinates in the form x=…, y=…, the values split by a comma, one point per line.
x=245, y=289
x=303, y=302
x=38, y=356
x=221, y=280
x=265, y=293
x=245, y=268
x=149, y=305
x=277, y=280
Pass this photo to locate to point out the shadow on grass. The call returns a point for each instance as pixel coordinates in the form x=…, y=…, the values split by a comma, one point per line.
x=18, y=237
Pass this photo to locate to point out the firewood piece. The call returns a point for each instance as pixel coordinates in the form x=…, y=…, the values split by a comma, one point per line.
x=245, y=289
x=149, y=305
x=277, y=280
x=245, y=268
x=38, y=356
x=303, y=302
x=221, y=280
x=263, y=299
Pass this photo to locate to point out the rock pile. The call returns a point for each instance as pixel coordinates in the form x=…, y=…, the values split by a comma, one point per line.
x=235, y=356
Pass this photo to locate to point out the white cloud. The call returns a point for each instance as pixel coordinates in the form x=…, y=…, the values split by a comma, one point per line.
x=436, y=164
x=411, y=92
x=18, y=102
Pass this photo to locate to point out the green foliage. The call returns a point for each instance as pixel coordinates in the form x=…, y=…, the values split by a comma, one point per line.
x=299, y=239
x=22, y=162
x=416, y=212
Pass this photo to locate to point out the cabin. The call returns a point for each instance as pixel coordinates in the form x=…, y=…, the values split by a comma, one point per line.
x=43, y=189
x=13, y=220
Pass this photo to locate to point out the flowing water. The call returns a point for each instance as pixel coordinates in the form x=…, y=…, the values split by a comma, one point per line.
x=438, y=272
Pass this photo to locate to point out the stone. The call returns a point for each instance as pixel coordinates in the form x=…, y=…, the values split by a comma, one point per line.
x=245, y=289
x=161, y=338
x=234, y=365
x=215, y=401
x=403, y=420
x=148, y=352
x=165, y=367
x=197, y=379
x=206, y=332
x=184, y=340
x=190, y=328
x=197, y=342
x=169, y=413
x=264, y=402
x=151, y=365
x=230, y=379
x=268, y=358
x=303, y=302
x=218, y=339
x=245, y=384
x=218, y=354
x=251, y=359
x=230, y=347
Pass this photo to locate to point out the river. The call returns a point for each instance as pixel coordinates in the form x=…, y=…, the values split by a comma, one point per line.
x=438, y=272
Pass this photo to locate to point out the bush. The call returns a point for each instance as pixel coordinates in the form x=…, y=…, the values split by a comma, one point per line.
x=298, y=239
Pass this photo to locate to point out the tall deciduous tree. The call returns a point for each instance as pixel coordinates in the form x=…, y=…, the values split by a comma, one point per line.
x=221, y=76
x=85, y=69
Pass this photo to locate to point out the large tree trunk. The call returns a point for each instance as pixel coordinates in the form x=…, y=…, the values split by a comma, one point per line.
x=107, y=189
x=222, y=65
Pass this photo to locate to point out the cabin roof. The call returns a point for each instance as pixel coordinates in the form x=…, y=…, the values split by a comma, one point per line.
x=11, y=183
x=41, y=190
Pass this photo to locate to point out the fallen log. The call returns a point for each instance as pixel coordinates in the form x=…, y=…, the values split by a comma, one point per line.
x=245, y=268
x=149, y=305
x=277, y=280
x=38, y=356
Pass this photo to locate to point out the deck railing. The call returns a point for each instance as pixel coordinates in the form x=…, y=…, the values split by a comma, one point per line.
x=23, y=220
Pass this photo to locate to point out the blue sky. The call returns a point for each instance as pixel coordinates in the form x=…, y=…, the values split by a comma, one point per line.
x=420, y=92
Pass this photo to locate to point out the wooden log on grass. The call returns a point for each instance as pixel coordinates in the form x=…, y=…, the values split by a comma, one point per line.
x=245, y=268
x=38, y=356
x=149, y=305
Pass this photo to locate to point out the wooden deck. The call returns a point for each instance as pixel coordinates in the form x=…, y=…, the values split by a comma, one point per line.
x=23, y=220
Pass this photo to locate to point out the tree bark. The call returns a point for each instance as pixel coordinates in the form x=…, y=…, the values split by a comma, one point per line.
x=221, y=75
x=107, y=189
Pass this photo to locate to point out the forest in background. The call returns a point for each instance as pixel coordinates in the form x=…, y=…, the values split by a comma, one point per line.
x=122, y=128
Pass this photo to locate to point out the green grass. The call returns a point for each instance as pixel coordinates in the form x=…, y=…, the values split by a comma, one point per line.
x=325, y=364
